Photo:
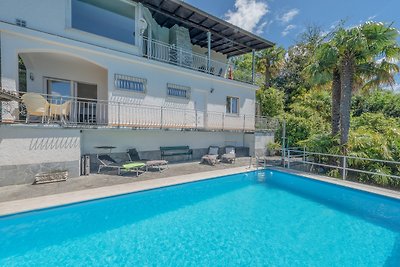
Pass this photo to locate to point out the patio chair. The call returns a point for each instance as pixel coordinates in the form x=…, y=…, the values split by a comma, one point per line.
x=36, y=105
x=230, y=155
x=63, y=110
x=212, y=157
x=106, y=161
x=134, y=156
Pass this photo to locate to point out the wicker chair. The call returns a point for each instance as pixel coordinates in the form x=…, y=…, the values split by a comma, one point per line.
x=63, y=110
x=36, y=105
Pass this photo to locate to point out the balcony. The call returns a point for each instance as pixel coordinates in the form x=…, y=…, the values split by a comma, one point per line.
x=91, y=113
x=174, y=55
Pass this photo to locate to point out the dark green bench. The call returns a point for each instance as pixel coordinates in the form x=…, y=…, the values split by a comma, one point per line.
x=170, y=151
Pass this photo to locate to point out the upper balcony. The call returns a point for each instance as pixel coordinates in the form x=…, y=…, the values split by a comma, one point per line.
x=169, y=31
x=197, y=40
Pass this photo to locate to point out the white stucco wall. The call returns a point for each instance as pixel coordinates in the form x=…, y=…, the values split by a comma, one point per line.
x=65, y=67
x=151, y=140
x=17, y=40
x=54, y=16
x=24, y=146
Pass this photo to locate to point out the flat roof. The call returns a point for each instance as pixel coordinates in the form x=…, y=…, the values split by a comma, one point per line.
x=227, y=38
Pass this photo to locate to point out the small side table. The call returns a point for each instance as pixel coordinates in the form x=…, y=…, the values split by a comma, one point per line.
x=106, y=147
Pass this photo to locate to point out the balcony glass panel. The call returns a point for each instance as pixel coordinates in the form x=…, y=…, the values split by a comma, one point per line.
x=111, y=19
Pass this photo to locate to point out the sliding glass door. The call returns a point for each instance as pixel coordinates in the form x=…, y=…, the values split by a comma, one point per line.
x=60, y=91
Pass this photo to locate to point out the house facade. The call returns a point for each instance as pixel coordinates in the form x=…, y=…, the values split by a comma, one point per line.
x=135, y=74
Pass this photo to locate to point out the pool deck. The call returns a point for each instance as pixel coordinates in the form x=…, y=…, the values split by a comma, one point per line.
x=16, y=199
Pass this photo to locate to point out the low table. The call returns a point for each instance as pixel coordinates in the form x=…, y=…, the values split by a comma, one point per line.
x=156, y=163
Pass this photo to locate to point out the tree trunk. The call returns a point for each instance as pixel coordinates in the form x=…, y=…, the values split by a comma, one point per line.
x=268, y=75
x=347, y=77
x=336, y=95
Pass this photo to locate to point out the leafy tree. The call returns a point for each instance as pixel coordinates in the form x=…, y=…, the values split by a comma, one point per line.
x=385, y=101
x=360, y=46
x=271, y=102
x=270, y=62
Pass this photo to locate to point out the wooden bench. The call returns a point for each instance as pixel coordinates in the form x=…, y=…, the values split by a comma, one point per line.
x=170, y=151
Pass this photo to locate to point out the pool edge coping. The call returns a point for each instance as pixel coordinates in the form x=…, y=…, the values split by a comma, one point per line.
x=348, y=184
x=14, y=207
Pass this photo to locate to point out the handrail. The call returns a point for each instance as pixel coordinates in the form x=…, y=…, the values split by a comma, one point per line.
x=171, y=54
x=96, y=112
x=342, y=156
x=344, y=163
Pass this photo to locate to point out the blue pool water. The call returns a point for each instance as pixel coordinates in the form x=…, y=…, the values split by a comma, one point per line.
x=261, y=218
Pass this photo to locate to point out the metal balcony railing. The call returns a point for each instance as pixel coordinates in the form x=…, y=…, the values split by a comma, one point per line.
x=80, y=112
x=174, y=55
x=379, y=172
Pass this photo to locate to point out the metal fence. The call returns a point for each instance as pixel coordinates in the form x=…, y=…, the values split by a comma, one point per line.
x=174, y=55
x=72, y=111
x=371, y=171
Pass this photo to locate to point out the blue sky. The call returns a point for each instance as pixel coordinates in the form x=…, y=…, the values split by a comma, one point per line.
x=281, y=21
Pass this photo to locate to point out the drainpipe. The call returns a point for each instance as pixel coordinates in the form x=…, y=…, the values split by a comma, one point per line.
x=208, y=51
x=253, y=65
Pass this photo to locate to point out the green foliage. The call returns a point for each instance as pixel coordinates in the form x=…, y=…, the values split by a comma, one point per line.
x=313, y=103
x=271, y=102
x=296, y=86
x=384, y=101
x=321, y=143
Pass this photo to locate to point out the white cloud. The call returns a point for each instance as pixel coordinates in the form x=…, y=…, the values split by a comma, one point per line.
x=288, y=29
x=261, y=27
x=289, y=16
x=248, y=15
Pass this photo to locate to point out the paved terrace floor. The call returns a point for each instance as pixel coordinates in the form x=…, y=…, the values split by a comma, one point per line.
x=16, y=192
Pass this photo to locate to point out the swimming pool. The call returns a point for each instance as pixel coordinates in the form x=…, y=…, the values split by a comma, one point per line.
x=262, y=218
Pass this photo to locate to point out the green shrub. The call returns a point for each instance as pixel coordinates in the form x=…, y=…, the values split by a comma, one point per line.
x=272, y=102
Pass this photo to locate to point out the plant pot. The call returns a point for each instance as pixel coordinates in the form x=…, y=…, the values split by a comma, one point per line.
x=51, y=177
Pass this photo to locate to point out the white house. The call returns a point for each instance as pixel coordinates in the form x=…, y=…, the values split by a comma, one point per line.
x=136, y=74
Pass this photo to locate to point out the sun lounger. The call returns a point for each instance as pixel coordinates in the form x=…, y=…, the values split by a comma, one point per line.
x=134, y=166
x=230, y=155
x=134, y=156
x=212, y=157
x=106, y=161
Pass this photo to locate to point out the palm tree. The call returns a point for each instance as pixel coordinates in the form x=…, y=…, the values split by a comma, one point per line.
x=360, y=46
x=357, y=58
x=269, y=61
x=323, y=70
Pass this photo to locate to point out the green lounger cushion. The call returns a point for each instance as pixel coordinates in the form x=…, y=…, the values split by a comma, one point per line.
x=133, y=165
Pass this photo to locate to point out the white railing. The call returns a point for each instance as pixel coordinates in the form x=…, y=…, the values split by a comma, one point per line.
x=171, y=54
x=75, y=112
x=347, y=167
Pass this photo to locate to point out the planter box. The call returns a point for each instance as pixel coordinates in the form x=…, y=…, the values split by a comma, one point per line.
x=51, y=177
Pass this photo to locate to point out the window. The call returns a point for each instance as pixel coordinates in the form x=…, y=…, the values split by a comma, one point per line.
x=179, y=91
x=232, y=105
x=59, y=90
x=111, y=19
x=130, y=83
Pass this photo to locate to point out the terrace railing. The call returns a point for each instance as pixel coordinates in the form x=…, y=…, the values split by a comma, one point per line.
x=80, y=112
x=174, y=55
x=372, y=171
